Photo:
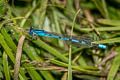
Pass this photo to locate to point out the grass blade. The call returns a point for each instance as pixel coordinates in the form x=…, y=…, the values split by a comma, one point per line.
x=70, y=50
x=115, y=66
x=8, y=39
x=5, y=66
x=6, y=48
x=50, y=49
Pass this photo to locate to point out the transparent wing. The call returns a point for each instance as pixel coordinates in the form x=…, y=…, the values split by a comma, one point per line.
x=86, y=39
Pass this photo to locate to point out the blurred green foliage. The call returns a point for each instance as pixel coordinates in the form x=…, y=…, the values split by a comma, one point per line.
x=47, y=58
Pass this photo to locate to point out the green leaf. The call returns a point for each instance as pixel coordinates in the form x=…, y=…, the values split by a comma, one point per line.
x=115, y=66
x=8, y=39
x=5, y=66
x=113, y=40
x=50, y=50
x=6, y=48
x=33, y=56
x=109, y=22
x=33, y=74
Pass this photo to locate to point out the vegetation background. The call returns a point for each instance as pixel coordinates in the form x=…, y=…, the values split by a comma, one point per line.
x=41, y=58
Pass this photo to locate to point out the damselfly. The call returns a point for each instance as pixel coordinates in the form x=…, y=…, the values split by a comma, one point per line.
x=75, y=40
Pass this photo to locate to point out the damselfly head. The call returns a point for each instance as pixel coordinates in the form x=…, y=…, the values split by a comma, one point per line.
x=31, y=30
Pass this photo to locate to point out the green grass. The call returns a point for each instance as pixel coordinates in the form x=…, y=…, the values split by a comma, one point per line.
x=51, y=59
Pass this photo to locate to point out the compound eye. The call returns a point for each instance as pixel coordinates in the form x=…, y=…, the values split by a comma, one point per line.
x=32, y=27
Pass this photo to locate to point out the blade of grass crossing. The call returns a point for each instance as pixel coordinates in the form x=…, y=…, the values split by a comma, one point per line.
x=109, y=22
x=6, y=48
x=57, y=24
x=5, y=66
x=105, y=8
x=115, y=66
x=33, y=74
x=70, y=10
x=8, y=39
x=82, y=69
x=100, y=8
x=70, y=66
x=70, y=50
x=116, y=28
x=113, y=40
x=50, y=49
x=28, y=14
x=33, y=57
x=82, y=61
x=43, y=7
